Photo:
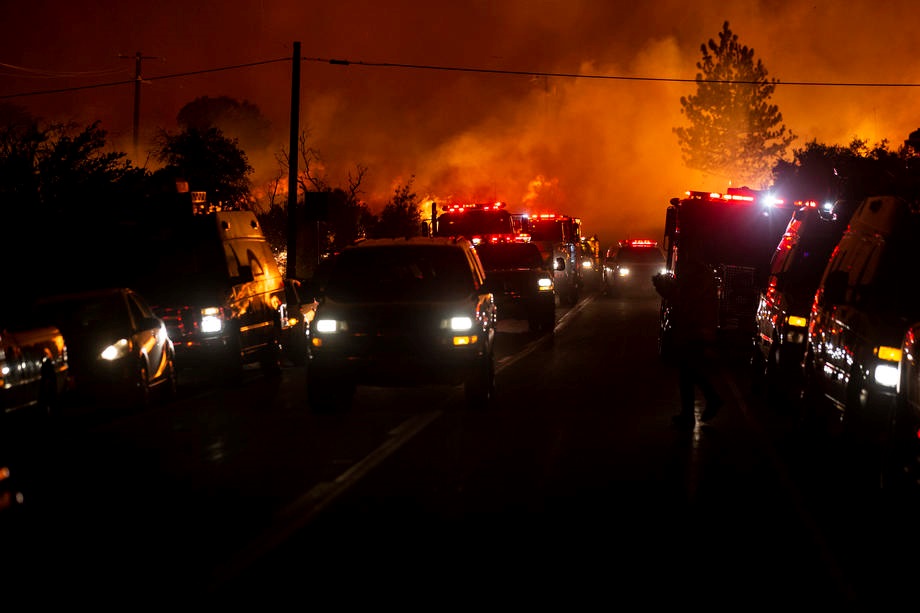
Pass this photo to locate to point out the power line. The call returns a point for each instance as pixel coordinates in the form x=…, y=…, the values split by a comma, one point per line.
x=527, y=73
x=145, y=79
x=38, y=73
x=575, y=75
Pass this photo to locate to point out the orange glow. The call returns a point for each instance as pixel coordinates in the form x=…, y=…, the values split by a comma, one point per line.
x=538, y=141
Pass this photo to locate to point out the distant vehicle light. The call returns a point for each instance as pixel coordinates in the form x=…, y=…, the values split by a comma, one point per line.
x=797, y=321
x=623, y=271
x=587, y=264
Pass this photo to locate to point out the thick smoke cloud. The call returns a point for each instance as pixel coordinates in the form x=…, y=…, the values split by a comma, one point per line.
x=601, y=149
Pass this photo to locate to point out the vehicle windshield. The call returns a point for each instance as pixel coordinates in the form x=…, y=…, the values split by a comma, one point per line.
x=500, y=256
x=546, y=230
x=640, y=255
x=84, y=313
x=407, y=273
x=475, y=223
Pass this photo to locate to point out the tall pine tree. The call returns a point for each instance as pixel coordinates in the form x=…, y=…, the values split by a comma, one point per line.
x=734, y=132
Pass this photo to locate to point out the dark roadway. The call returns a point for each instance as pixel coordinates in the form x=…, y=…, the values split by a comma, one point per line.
x=574, y=490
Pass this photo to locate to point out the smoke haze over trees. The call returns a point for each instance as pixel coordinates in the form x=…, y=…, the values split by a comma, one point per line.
x=605, y=144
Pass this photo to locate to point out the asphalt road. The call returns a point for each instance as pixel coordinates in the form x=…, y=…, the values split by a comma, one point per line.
x=574, y=490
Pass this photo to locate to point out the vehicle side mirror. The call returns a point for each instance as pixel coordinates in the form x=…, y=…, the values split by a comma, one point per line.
x=560, y=263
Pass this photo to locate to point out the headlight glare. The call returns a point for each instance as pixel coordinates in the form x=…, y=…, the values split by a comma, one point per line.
x=461, y=323
x=326, y=325
x=886, y=375
x=116, y=350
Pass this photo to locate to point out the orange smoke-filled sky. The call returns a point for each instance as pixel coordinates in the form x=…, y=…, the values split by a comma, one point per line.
x=598, y=148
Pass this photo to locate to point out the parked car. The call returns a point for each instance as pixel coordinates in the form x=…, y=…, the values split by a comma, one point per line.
x=118, y=350
x=34, y=371
x=521, y=282
x=864, y=307
x=630, y=266
x=784, y=304
x=402, y=313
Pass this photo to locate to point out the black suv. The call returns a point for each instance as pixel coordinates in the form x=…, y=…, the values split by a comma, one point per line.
x=864, y=307
x=402, y=313
x=521, y=282
x=784, y=304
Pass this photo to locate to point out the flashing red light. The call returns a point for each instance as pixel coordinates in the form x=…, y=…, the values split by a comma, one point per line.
x=639, y=242
x=469, y=206
x=695, y=195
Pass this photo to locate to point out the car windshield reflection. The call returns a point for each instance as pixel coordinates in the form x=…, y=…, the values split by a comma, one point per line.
x=396, y=273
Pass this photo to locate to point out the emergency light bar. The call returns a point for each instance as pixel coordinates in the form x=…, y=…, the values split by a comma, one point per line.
x=487, y=206
x=639, y=242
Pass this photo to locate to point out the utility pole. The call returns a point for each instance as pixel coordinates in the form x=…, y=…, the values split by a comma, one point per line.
x=137, y=92
x=292, y=213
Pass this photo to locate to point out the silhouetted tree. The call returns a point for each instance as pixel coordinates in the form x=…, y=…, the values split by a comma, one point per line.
x=733, y=132
x=242, y=120
x=210, y=162
x=849, y=173
x=21, y=140
x=68, y=192
x=401, y=215
x=347, y=218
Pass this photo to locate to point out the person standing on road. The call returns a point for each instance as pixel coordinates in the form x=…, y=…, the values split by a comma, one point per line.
x=694, y=299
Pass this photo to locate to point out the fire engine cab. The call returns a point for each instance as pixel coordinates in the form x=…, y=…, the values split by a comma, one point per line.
x=735, y=235
x=559, y=239
x=477, y=222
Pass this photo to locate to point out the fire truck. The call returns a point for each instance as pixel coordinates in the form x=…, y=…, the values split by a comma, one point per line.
x=735, y=234
x=559, y=239
x=478, y=222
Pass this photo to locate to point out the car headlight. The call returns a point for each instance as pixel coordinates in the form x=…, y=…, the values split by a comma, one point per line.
x=327, y=326
x=886, y=375
x=623, y=272
x=461, y=324
x=545, y=284
x=116, y=350
x=211, y=321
